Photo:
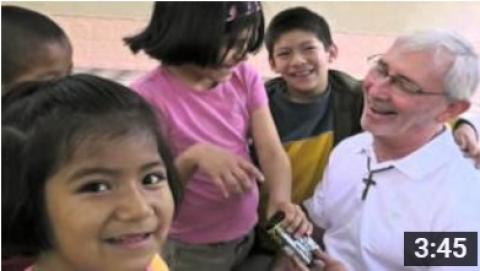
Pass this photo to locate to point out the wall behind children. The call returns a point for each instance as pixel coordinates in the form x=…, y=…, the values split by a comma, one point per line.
x=360, y=29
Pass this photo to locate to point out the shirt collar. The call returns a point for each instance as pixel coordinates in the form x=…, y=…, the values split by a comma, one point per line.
x=421, y=162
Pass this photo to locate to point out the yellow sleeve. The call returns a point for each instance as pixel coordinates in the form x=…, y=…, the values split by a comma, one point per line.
x=158, y=264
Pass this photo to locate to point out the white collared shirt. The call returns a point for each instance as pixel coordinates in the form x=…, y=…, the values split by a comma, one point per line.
x=433, y=189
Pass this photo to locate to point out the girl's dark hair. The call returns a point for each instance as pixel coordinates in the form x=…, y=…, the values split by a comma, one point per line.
x=297, y=18
x=42, y=125
x=23, y=32
x=195, y=32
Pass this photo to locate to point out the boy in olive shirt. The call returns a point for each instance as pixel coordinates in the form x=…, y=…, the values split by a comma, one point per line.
x=313, y=106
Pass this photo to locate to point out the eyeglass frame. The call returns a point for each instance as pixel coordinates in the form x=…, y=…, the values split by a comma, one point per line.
x=398, y=81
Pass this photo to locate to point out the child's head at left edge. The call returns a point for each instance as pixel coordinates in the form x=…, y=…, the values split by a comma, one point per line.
x=34, y=47
x=89, y=183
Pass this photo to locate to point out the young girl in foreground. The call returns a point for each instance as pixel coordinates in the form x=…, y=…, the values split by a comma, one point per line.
x=212, y=102
x=87, y=180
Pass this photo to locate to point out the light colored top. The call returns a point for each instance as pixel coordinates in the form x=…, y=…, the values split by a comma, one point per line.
x=433, y=189
x=157, y=264
x=220, y=116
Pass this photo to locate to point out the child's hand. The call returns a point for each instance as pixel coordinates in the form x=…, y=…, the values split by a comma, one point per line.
x=466, y=138
x=295, y=220
x=230, y=172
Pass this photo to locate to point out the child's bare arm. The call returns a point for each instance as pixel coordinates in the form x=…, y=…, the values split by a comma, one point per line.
x=466, y=136
x=276, y=168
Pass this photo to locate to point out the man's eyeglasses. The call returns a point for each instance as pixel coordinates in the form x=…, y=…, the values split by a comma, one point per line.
x=379, y=71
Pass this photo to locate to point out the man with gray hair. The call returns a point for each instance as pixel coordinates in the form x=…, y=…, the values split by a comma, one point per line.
x=405, y=173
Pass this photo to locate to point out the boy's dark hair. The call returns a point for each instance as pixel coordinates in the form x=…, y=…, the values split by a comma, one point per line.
x=42, y=125
x=23, y=33
x=195, y=32
x=298, y=18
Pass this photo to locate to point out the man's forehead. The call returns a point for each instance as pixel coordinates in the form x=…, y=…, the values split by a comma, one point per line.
x=425, y=67
x=438, y=53
x=439, y=59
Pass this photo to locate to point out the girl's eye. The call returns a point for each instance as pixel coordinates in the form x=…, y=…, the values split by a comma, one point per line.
x=283, y=54
x=154, y=178
x=94, y=187
x=310, y=48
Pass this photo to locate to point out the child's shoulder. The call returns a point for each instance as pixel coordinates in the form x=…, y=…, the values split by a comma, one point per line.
x=245, y=69
x=248, y=70
x=150, y=80
x=276, y=84
x=150, y=75
x=245, y=75
x=342, y=81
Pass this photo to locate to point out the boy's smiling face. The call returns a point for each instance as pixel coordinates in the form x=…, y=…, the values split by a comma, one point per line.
x=303, y=61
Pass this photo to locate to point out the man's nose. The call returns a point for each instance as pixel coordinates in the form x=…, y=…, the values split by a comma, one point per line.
x=380, y=87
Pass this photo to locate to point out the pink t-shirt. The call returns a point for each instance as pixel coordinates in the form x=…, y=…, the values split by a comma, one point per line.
x=220, y=116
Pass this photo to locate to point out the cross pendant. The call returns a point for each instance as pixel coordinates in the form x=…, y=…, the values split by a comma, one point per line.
x=368, y=182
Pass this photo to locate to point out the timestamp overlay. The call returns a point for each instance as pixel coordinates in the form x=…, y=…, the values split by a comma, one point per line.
x=440, y=248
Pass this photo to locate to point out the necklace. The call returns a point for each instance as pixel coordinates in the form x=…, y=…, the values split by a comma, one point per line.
x=369, y=180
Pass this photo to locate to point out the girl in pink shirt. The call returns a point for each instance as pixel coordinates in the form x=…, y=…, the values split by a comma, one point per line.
x=213, y=103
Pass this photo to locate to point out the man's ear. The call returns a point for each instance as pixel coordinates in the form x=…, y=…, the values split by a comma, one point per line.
x=332, y=51
x=453, y=110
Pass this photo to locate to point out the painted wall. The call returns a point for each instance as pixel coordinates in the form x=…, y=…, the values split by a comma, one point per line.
x=360, y=29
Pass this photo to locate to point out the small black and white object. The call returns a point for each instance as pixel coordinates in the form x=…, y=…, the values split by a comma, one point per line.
x=302, y=247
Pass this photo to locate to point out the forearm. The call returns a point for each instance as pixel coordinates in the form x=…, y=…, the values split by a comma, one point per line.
x=273, y=160
x=277, y=170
